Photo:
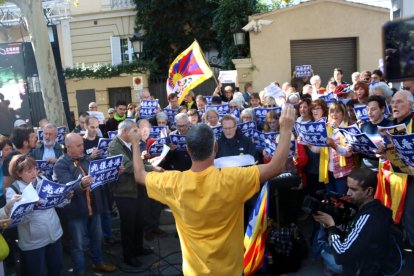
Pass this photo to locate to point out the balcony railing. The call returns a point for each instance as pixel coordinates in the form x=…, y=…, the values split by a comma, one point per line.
x=122, y=4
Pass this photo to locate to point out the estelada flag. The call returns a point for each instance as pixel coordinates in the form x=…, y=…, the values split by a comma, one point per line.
x=255, y=236
x=188, y=70
x=391, y=190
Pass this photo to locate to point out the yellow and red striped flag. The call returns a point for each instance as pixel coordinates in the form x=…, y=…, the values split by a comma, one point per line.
x=391, y=189
x=255, y=236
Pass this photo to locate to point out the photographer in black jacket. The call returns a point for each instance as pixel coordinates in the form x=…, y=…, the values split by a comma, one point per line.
x=363, y=248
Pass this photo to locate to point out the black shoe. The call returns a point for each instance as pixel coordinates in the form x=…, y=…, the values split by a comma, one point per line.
x=145, y=251
x=133, y=262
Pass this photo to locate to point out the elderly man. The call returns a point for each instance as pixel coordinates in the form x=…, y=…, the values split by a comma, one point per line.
x=82, y=215
x=48, y=149
x=401, y=108
x=176, y=159
x=207, y=203
x=233, y=142
x=128, y=198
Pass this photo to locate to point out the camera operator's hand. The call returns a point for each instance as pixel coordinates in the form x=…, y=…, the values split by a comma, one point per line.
x=325, y=219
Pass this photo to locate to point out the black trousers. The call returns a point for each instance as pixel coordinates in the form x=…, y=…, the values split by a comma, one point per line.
x=131, y=216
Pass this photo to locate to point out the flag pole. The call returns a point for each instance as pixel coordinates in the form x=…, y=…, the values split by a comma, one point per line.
x=208, y=64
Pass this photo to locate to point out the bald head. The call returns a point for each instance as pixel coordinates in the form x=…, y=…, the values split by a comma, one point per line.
x=74, y=145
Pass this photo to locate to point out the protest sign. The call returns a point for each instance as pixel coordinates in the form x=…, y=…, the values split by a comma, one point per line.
x=274, y=91
x=112, y=134
x=170, y=114
x=229, y=76
x=45, y=167
x=303, y=71
x=259, y=138
x=313, y=133
x=391, y=152
x=158, y=132
x=105, y=170
x=52, y=194
x=157, y=160
x=208, y=99
x=404, y=146
x=218, y=130
x=222, y=109
x=260, y=113
x=157, y=147
x=103, y=145
x=354, y=129
x=361, y=112
x=179, y=141
x=24, y=206
x=360, y=142
x=148, y=109
x=271, y=146
x=247, y=128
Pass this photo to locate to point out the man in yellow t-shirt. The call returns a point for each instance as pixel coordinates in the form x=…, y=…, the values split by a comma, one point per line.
x=207, y=203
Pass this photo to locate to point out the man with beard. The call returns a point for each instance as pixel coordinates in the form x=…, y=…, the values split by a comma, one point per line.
x=48, y=149
x=363, y=250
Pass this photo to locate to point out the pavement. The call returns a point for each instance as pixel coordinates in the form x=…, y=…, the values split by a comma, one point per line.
x=167, y=259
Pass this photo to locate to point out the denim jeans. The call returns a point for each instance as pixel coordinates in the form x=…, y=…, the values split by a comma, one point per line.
x=50, y=256
x=80, y=230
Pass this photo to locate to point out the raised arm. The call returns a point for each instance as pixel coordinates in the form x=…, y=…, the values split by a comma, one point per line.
x=277, y=164
x=139, y=169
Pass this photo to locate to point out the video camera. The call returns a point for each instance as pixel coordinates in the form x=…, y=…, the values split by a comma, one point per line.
x=336, y=205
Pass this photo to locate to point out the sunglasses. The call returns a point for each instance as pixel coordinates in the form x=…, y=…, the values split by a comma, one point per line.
x=270, y=106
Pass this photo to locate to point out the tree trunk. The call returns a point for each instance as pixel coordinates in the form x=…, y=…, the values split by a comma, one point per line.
x=35, y=20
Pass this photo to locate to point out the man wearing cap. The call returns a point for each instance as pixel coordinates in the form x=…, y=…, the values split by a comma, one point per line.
x=20, y=123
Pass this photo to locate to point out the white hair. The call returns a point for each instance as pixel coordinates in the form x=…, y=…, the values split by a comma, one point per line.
x=315, y=78
x=382, y=86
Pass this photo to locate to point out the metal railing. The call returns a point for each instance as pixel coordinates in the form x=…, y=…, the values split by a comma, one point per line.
x=122, y=4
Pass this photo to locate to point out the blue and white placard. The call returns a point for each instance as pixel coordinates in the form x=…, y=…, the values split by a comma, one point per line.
x=247, y=128
x=24, y=206
x=103, y=145
x=360, y=143
x=222, y=109
x=303, y=71
x=158, y=132
x=404, y=145
x=156, y=148
x=218, y=131
x=361, y=112
x=170, y=114
x=260, y=113
x=179, y=141
x=45, y=167
x=313, y=133
x=112, y=134
x=52, y=194
x=105, y=170
x=148, y=109
x=259, y=138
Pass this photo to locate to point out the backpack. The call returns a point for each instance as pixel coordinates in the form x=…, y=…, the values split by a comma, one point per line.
x=394, y=260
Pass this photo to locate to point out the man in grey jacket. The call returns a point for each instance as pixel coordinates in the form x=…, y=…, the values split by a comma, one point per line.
x=128, y=199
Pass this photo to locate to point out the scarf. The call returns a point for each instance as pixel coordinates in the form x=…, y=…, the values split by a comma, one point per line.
x=324, y=157
x=119, y=118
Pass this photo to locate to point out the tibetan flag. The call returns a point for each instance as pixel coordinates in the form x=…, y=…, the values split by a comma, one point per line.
x=255, y=237
x=391, y=190
x=188, y=70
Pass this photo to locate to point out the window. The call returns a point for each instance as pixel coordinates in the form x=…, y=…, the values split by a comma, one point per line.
x=121, y=50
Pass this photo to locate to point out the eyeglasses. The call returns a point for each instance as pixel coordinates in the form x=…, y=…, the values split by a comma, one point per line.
x=228, y=128
x=130, y=108
x=270, y=106
x=316, y=108
x=182, y=126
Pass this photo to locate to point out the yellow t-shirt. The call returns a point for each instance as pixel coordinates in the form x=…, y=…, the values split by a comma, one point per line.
x=208, y=211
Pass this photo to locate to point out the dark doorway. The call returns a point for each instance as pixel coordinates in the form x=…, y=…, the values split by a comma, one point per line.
x=83, y=98
x=119, y=94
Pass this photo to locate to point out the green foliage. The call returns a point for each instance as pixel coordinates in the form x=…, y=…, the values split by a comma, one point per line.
x=229, y=16
x=106, y=72
x=172, y=25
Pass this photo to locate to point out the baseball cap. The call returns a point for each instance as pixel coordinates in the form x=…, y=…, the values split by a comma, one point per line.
x=20, y=123
x=111, y=110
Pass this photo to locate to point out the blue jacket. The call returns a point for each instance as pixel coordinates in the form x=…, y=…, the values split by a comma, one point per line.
x=66, y=171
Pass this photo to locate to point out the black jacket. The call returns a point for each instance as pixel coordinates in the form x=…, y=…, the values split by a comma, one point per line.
x=238, y=145
x=365, y=246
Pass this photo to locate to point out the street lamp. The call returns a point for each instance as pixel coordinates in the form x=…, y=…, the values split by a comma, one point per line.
x=137, y=41
x=239, y=37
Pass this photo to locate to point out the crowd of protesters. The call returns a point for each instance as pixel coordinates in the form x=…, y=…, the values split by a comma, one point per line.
x=86, y=216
